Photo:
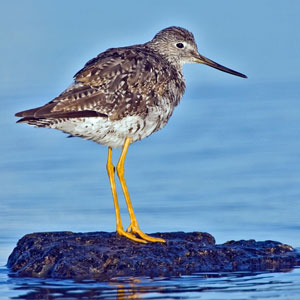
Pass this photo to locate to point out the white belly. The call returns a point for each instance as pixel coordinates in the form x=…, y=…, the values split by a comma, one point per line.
x=112, y=132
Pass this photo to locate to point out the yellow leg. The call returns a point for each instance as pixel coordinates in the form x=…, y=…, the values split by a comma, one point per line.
x=111, y=174
x=134, y=227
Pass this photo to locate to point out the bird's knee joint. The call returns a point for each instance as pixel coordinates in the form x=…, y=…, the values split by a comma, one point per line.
x=120, y=170
x=110, y=168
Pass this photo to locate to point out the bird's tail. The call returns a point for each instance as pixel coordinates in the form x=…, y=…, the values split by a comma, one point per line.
x=43, y=116
x=28, y=117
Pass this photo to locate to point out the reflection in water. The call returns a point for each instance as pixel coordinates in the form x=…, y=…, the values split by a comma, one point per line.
x=206, y=286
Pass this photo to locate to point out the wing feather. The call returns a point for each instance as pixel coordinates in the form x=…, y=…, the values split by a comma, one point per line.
x=116, y=83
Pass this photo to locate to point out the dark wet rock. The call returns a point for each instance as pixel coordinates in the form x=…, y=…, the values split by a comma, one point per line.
x=102, y=255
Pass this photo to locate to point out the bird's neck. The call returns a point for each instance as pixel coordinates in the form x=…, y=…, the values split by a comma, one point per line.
x=163, y=52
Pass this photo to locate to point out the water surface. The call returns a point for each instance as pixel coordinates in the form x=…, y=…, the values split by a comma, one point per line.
x=227, y=163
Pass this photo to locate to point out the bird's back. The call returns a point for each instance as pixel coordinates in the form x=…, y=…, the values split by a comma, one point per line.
x=118, y=87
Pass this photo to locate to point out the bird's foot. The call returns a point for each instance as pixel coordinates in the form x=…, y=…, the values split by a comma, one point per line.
x=130, y=236
x=145, y=237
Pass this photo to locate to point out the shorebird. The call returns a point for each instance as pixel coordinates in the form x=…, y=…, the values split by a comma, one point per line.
x=122, y=96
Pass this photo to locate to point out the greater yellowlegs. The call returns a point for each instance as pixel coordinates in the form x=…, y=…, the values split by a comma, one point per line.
x=121, y=96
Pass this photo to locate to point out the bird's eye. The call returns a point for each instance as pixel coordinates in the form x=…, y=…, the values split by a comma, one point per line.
x=179, y=45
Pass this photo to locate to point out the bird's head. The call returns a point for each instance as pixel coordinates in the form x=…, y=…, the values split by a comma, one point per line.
x=178, y=46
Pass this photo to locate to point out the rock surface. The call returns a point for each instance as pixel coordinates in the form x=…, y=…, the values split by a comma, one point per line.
x=102, y=255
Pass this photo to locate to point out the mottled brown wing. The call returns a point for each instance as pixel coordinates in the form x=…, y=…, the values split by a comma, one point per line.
x=118, y=82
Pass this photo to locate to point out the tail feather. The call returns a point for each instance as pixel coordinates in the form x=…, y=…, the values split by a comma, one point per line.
x=28, y=117
x=27, y=113
x=42, y=117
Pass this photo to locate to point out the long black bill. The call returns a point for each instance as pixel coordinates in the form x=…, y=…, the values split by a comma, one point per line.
x=206, y=61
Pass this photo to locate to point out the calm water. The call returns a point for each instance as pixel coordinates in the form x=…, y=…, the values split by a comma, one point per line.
x=227, y=163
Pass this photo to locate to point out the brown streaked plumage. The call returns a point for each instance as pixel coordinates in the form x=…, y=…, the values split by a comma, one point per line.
x=121, y=96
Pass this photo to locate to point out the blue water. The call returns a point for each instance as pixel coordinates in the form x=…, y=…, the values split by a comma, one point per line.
x=228, y=163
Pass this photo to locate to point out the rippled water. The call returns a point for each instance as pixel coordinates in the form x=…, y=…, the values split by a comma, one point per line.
x=227, y=163
x=198, y=286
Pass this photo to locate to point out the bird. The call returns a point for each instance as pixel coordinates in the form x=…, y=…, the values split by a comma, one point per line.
x=121, y=96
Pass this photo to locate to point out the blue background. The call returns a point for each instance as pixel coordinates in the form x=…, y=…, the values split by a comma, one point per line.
x=43, y=43
x=228, y=161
